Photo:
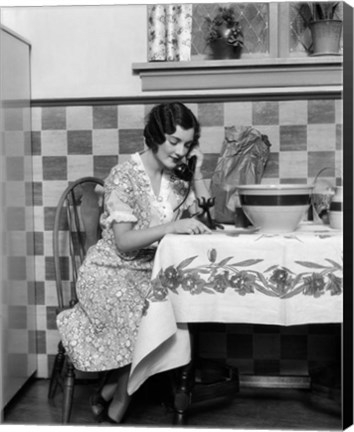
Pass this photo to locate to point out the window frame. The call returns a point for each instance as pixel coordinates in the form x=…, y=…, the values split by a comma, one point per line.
x=278, y=73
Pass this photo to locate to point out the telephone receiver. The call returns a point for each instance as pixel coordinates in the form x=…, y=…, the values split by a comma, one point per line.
x=186, y=171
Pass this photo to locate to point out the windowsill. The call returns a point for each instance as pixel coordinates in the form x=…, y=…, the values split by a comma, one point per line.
x=276, y=75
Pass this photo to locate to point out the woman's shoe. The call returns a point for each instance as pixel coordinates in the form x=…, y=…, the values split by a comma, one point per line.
x=107, y=420
x=99, y=407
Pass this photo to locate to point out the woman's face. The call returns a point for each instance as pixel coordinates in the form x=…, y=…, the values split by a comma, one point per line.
x=175, y=148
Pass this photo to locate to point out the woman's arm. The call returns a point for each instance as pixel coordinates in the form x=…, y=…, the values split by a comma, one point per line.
x=128, y=239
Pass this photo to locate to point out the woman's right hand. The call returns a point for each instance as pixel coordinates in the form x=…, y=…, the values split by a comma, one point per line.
x=188, y=226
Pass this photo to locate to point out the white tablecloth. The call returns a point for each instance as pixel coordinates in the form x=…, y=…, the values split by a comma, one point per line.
x=236, y=276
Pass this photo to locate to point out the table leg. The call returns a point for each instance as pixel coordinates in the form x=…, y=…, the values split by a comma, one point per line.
x=188, y=392
x=183, y=394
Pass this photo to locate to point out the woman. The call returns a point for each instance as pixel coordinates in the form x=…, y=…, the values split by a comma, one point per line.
x=144, y=200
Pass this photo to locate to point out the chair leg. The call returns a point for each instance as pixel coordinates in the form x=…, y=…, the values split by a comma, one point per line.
x=56, y=371
x=69, y=381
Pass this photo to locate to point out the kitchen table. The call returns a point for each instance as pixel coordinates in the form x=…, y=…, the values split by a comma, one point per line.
x=236, y=275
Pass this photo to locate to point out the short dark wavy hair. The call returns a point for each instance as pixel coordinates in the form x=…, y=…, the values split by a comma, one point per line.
x=164, y=118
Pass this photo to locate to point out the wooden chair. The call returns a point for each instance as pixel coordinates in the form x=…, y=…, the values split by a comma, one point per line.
x=76, y=228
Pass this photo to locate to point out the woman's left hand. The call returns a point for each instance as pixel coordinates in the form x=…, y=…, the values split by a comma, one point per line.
x=200, y=157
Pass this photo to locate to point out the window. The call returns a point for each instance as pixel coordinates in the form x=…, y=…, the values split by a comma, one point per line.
x=275, y=59
x=253, y=17
x=299, y=33
x=270, y=29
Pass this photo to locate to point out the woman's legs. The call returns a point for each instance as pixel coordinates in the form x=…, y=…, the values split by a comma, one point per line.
x=115, y=396
x=100, y=400
x=109, y=387
x=121, y=399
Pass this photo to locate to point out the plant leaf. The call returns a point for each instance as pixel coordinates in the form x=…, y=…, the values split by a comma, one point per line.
x=207, y=290
x=271, y=268
x=186, y=262
x=224, y=261
x=264, y=291
x=246, y=263
x=336, y=265
x=174, y=290
x=261, y=278
x=309, y=264
x=288, y=270
x=294, y=292
x=297, y=278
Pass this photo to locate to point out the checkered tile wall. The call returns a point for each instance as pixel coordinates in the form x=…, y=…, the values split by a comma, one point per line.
x=17, y=260
x=69, y=142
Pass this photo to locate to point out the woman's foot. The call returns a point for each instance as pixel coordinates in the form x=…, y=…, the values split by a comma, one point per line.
x=107, y=420
x=121, y=399
x=116, y=410
x=99, y=406
x=113, y=413
x=100, y=400
x=113, y=399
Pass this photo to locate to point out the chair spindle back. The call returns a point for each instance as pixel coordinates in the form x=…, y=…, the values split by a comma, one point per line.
x=76, y=228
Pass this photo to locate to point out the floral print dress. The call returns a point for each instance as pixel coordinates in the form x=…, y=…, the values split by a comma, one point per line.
x=100, y=331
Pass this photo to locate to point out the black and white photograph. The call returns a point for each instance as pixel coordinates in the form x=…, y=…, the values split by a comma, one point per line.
x=177, y=215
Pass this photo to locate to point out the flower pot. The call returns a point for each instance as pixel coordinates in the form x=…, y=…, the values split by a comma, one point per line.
x=326, y=37
x=221, y=50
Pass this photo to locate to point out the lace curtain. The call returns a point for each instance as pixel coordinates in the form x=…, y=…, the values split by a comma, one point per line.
x=169, y=32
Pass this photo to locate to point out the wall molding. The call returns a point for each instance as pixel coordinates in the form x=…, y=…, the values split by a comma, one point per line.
x=298, y=75
x=259, y=95
x=226, y=81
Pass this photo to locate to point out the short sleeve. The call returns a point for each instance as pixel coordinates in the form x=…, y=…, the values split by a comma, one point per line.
x=118, y=195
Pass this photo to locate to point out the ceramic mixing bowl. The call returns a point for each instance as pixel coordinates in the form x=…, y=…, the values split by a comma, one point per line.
x=275, y=208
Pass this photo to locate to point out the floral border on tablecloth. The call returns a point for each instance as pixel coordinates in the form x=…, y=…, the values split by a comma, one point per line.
x=276, y=281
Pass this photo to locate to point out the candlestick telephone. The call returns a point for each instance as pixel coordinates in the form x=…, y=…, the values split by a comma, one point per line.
x=186, y=171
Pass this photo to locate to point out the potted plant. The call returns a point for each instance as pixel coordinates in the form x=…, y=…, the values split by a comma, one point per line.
x=224, y=34
x=325, y=27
